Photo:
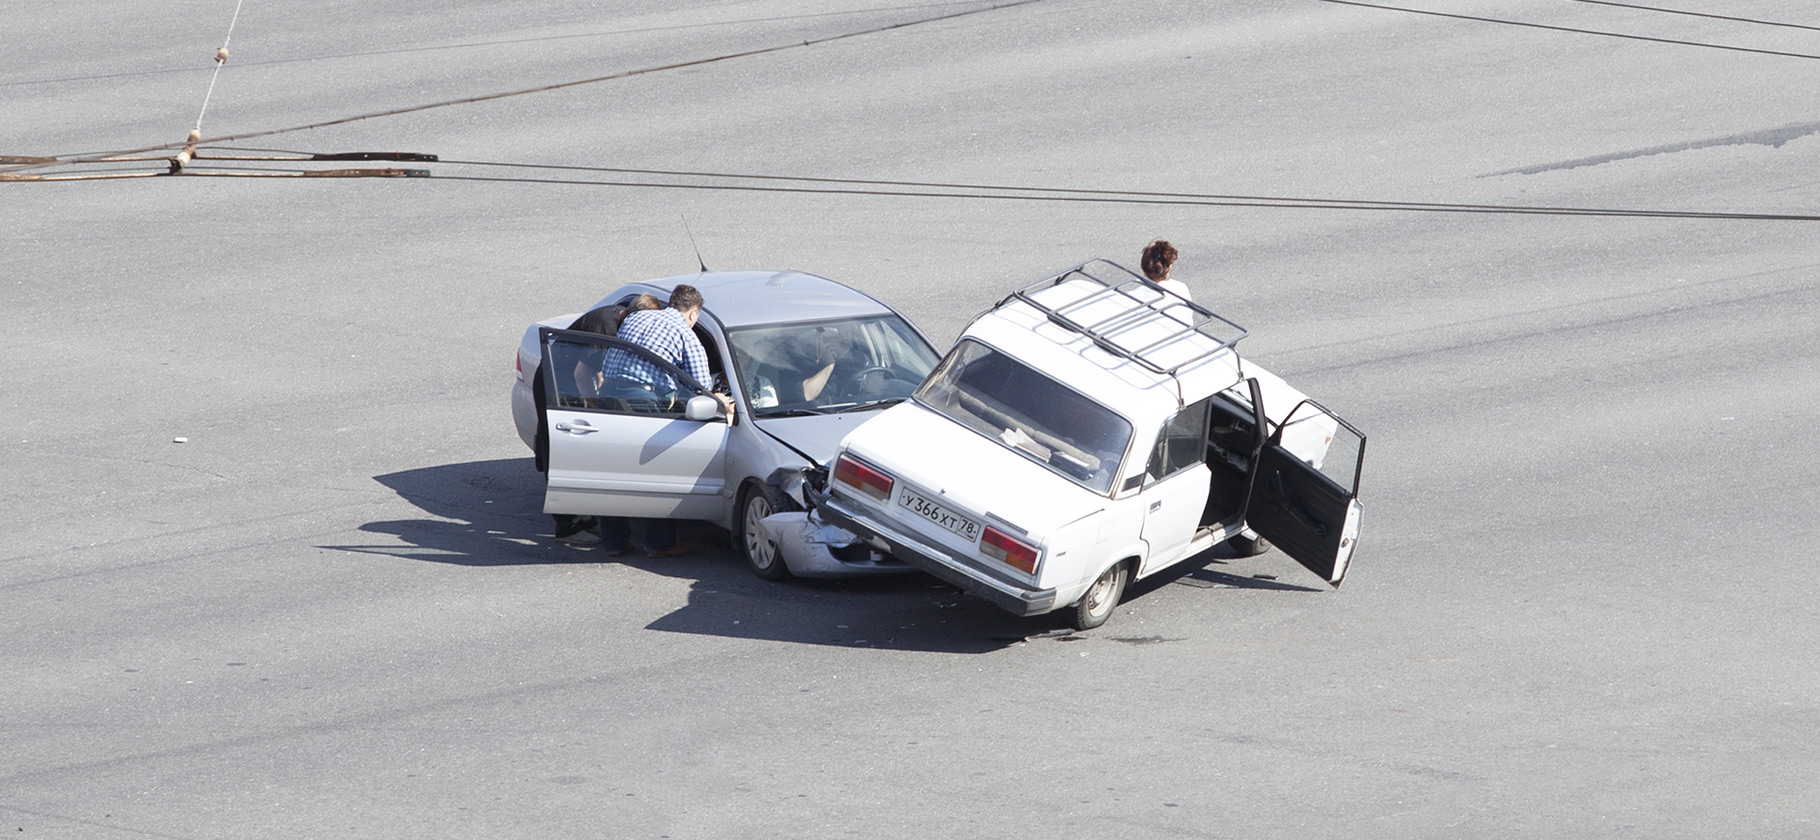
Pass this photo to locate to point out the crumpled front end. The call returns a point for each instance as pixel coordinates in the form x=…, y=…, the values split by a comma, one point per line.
x=811, y=548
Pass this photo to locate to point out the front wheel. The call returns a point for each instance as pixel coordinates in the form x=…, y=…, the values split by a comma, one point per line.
x=1096, y=605
x=761, y=552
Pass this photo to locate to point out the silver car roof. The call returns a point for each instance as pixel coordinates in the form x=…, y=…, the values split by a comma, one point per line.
x=757, y=298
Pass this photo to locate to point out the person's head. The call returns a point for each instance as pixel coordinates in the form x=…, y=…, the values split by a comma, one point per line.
x=1158, y=257
x=644, y=302
x=687, y=300
x=832, y=343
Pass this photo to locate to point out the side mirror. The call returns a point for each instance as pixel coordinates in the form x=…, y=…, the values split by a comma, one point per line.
x=701, y=408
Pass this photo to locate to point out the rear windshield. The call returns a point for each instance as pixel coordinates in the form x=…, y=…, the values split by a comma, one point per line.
x=1029, y=413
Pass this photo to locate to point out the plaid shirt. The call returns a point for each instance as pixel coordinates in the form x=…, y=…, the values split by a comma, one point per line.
x=667, y=335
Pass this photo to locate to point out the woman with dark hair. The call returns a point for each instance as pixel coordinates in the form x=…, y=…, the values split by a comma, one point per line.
x=1159, y=257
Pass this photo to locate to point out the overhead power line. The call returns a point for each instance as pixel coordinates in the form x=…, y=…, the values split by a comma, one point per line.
x=495, y=43
x=92, y=157
x=1698, y=14
x=1572, y=29
x=813, y=185
x=221, y=57
x=927, y=189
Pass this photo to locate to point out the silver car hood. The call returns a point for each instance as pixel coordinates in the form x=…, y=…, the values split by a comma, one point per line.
x=816, y=435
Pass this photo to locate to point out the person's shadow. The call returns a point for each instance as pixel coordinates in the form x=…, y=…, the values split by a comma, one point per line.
x=488, y=513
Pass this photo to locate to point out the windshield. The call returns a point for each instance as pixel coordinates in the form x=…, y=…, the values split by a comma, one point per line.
x=829, y=366
x=1029, y=413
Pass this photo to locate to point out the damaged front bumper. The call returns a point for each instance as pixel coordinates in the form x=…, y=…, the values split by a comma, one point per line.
x=813, y=549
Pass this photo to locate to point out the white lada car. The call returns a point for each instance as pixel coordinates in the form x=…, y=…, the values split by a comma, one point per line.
x=1090, y=430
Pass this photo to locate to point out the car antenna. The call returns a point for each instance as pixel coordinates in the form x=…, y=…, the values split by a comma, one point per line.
x=698, y=259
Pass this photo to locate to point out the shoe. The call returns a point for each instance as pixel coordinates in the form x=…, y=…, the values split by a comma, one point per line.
x=570, y=525
x=676, y=550
x=580, y=538
x=622, y=550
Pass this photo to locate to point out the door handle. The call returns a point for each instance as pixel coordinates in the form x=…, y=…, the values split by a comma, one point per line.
x=580, y=427
x=1156, y=506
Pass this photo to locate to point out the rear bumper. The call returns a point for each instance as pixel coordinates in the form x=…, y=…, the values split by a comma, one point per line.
x=524, y=413
x=959, y=571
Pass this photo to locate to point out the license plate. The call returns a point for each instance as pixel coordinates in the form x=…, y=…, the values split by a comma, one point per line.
x=939, y=515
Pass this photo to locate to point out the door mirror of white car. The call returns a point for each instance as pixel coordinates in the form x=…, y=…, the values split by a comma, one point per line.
x=702, y=407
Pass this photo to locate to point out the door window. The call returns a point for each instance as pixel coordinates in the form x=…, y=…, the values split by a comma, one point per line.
x=599, y=373
x=1319, y=440
x=1182, y=442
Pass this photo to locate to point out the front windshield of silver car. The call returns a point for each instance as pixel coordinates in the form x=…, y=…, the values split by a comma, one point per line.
x=828, y=366
x=1029, y=413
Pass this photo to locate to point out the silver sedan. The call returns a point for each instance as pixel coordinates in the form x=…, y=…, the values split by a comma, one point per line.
x=804, y=359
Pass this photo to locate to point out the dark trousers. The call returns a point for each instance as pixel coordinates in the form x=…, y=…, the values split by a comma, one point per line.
x=616, y=531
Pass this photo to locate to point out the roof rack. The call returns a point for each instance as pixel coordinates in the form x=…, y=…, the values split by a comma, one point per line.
x=1142, y=310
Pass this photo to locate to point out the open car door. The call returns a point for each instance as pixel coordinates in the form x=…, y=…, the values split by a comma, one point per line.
x=617, y=450
x=1305, y=489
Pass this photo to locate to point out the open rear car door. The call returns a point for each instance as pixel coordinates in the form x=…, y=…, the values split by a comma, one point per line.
x=1305, y=489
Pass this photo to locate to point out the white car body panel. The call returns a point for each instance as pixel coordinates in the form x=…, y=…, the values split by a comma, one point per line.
x=648, y=467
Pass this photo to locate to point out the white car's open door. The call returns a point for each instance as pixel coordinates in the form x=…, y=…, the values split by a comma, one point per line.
x=1305, y=489
x=625, y=451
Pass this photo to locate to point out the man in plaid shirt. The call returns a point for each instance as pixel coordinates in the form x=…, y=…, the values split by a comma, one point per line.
x=667, y=333
x=670, y=335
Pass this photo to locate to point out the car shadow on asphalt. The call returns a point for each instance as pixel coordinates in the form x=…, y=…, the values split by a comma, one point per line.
x=1216, y=568
x=487, y=514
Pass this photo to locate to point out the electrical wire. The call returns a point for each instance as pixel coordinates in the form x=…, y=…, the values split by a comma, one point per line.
x=1158, y=200
x=92, y=157
x=1573, y=30
x=932, y=189
x=982, y=187
x=498, y=43
x=221, y=57
x=1698, y=14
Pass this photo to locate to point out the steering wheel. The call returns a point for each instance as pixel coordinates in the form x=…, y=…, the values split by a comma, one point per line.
x=855, y=382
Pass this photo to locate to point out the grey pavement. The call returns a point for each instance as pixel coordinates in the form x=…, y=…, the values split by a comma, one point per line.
x=1584, y=604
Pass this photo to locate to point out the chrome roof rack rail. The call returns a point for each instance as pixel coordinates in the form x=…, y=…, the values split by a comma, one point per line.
x=1117, y=281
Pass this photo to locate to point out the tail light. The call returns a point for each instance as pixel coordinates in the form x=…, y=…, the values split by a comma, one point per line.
x=1008, y=549
x=863, y=478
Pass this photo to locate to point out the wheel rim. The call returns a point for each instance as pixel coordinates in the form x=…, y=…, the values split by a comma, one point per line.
x=1099, y=596
x=761, y=551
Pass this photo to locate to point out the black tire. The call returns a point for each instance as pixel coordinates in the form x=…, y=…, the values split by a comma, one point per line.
x=1097, y=603
x=760, y=501
x=1244, y=546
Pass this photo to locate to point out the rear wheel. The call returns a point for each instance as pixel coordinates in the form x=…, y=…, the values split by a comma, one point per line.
x=1096, y=605
x=761, y=552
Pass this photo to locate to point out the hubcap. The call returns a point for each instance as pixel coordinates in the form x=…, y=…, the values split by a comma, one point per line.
x=1101, y=593
x=761, y=551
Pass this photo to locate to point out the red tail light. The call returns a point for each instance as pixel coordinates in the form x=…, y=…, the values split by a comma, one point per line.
x=1008, y=549
x=863, y=478
x=518, y=361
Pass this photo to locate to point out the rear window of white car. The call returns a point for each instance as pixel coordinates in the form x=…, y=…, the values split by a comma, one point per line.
x=1028, y=413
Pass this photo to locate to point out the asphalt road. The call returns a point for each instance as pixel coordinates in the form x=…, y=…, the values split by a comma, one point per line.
x=1584, y=604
